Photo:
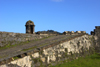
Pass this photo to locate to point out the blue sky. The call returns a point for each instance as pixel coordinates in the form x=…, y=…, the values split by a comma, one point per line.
x=58, y=15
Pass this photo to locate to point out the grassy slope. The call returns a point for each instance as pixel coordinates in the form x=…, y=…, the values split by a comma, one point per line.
x=89, y=61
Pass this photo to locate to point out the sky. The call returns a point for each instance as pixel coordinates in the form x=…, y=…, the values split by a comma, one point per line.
x=57, y=15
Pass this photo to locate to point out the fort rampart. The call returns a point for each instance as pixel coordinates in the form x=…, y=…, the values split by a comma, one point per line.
x=9, y=38
x=96, y=34
x=69, y=49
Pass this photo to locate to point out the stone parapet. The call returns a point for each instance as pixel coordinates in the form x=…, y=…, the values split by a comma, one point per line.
x=83, y=31
x=73, y=33
x=10, y=38
x=96, y=34
x=97, y=27
x=64, y=50
x=92, y=33
x=78, y=32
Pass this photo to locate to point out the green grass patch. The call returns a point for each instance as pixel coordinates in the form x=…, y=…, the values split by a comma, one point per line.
x=89, y=61
x=15, y=58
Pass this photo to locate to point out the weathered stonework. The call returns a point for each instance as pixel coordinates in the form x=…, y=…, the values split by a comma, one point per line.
x=53, y=53
x=7, y=38
x=96, y=34
x=69, y=50
x=30, y=27
x=73, y=33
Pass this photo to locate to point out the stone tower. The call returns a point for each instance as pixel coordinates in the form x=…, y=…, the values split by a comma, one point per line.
x=30, y=27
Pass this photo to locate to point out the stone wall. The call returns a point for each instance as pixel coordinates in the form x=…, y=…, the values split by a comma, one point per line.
x=69, y=50
x=10, y=38
x=96, y=34
x=74, y=33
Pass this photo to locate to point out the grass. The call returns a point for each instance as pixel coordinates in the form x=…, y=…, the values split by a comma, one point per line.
x=89, y=61
x=14, y=58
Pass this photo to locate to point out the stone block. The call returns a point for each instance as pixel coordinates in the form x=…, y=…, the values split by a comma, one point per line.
x=83, y=31
x=72, y=32
x=92, y=33
x=43, y=59
x=35, y=55
x=78, y=32
x=28, y=53
x=97, y=27
x=1, y=45
x=19, y=39
x=4, y=35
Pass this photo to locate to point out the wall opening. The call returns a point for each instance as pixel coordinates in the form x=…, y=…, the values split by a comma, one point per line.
x=31, y=30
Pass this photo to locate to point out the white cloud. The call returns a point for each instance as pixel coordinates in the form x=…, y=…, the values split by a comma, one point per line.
x=57, y=0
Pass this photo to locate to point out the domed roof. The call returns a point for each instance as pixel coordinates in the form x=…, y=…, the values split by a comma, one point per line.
x=29, y=22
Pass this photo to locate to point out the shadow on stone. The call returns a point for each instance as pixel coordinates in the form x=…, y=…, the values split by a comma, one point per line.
x=13, y=65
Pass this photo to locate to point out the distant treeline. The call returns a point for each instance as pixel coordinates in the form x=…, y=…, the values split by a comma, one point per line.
x=49, y=32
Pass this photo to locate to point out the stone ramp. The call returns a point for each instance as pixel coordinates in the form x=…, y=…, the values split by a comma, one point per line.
x=29, y=48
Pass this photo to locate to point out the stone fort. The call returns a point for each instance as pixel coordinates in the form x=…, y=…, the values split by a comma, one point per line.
x=45, y=48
